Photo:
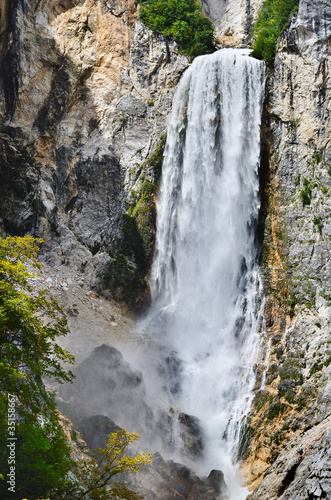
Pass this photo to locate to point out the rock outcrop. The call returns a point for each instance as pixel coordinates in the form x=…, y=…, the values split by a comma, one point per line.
x=105, y=384
x=233, y=20
x=107, y=389
x=85, y=92
x=296, y=259
x=302, y=470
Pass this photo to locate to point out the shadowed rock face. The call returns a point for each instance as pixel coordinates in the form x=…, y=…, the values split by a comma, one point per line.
x=85, y=92
x=173, y=481
x=95, y=430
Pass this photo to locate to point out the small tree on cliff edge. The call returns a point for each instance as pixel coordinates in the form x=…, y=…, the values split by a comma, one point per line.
x=30, y=322
x=94, y=479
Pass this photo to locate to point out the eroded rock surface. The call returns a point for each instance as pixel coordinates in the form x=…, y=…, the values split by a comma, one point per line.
x=233, y=20
x=85, y=93
x=297, y=249
x=173, y=481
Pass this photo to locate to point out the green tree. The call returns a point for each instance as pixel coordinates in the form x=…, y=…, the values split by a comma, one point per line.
x=30, y=322
x=181, y=20
x=95, y=478
x=273, y=18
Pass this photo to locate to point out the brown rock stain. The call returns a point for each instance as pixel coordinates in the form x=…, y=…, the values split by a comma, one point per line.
x=263, y=446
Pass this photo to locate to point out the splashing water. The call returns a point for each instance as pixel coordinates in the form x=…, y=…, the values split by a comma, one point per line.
x=205, y=283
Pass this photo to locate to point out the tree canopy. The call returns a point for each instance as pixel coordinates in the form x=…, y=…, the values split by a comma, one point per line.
x=95, y=478
x=181, y=20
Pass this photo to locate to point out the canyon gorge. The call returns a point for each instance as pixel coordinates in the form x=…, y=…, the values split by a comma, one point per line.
x=185, y=212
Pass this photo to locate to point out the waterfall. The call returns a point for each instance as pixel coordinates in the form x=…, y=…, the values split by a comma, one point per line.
x=205, y=282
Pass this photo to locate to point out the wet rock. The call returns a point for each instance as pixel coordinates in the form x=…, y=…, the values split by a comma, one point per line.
x=173, y=481
x=216, y=480
x=180, y=433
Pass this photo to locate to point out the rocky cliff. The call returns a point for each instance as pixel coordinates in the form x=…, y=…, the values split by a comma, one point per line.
x=85, y=94
x=233, y=20
x=296, y=395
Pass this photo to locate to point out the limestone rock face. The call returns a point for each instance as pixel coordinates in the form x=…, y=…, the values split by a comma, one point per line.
x=78, y=447
x=301, y=127
x=233, y=20
x=85, y=92
x=302, y=470
x=297, y=249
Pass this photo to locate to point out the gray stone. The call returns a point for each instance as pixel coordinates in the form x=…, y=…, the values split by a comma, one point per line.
x=87, y=91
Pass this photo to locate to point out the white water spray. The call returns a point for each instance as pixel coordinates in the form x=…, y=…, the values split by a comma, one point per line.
x=205, y=280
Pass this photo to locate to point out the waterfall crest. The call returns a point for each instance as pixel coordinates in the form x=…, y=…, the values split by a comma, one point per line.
x=205, y=284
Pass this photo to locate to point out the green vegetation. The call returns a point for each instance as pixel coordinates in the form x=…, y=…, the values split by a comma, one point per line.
x=95, y=478
x=275, y=410
x=292, y=302
x=273, y=18
x=291, y=371
x=30, y=321
x=297, y=180
x=318, y=223
x=261, y=398
x=39, y=459
x=181, y=20
x=315, y=368
x=139, y=221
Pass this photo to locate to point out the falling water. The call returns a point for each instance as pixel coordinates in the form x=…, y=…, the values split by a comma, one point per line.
x=206, y=289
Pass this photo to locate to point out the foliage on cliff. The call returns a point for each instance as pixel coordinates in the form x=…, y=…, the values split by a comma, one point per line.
x=273, y=18
x=181, y=20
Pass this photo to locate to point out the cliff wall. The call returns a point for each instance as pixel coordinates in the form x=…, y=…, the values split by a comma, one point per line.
x=85, y=95
x=296, y=396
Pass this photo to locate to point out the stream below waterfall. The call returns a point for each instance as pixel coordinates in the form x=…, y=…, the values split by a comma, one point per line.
x=207, y=297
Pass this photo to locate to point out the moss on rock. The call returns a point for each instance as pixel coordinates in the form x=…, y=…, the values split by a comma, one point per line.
x=127, y=273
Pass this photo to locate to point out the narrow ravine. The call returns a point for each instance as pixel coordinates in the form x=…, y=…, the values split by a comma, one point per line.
x=205, y=282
